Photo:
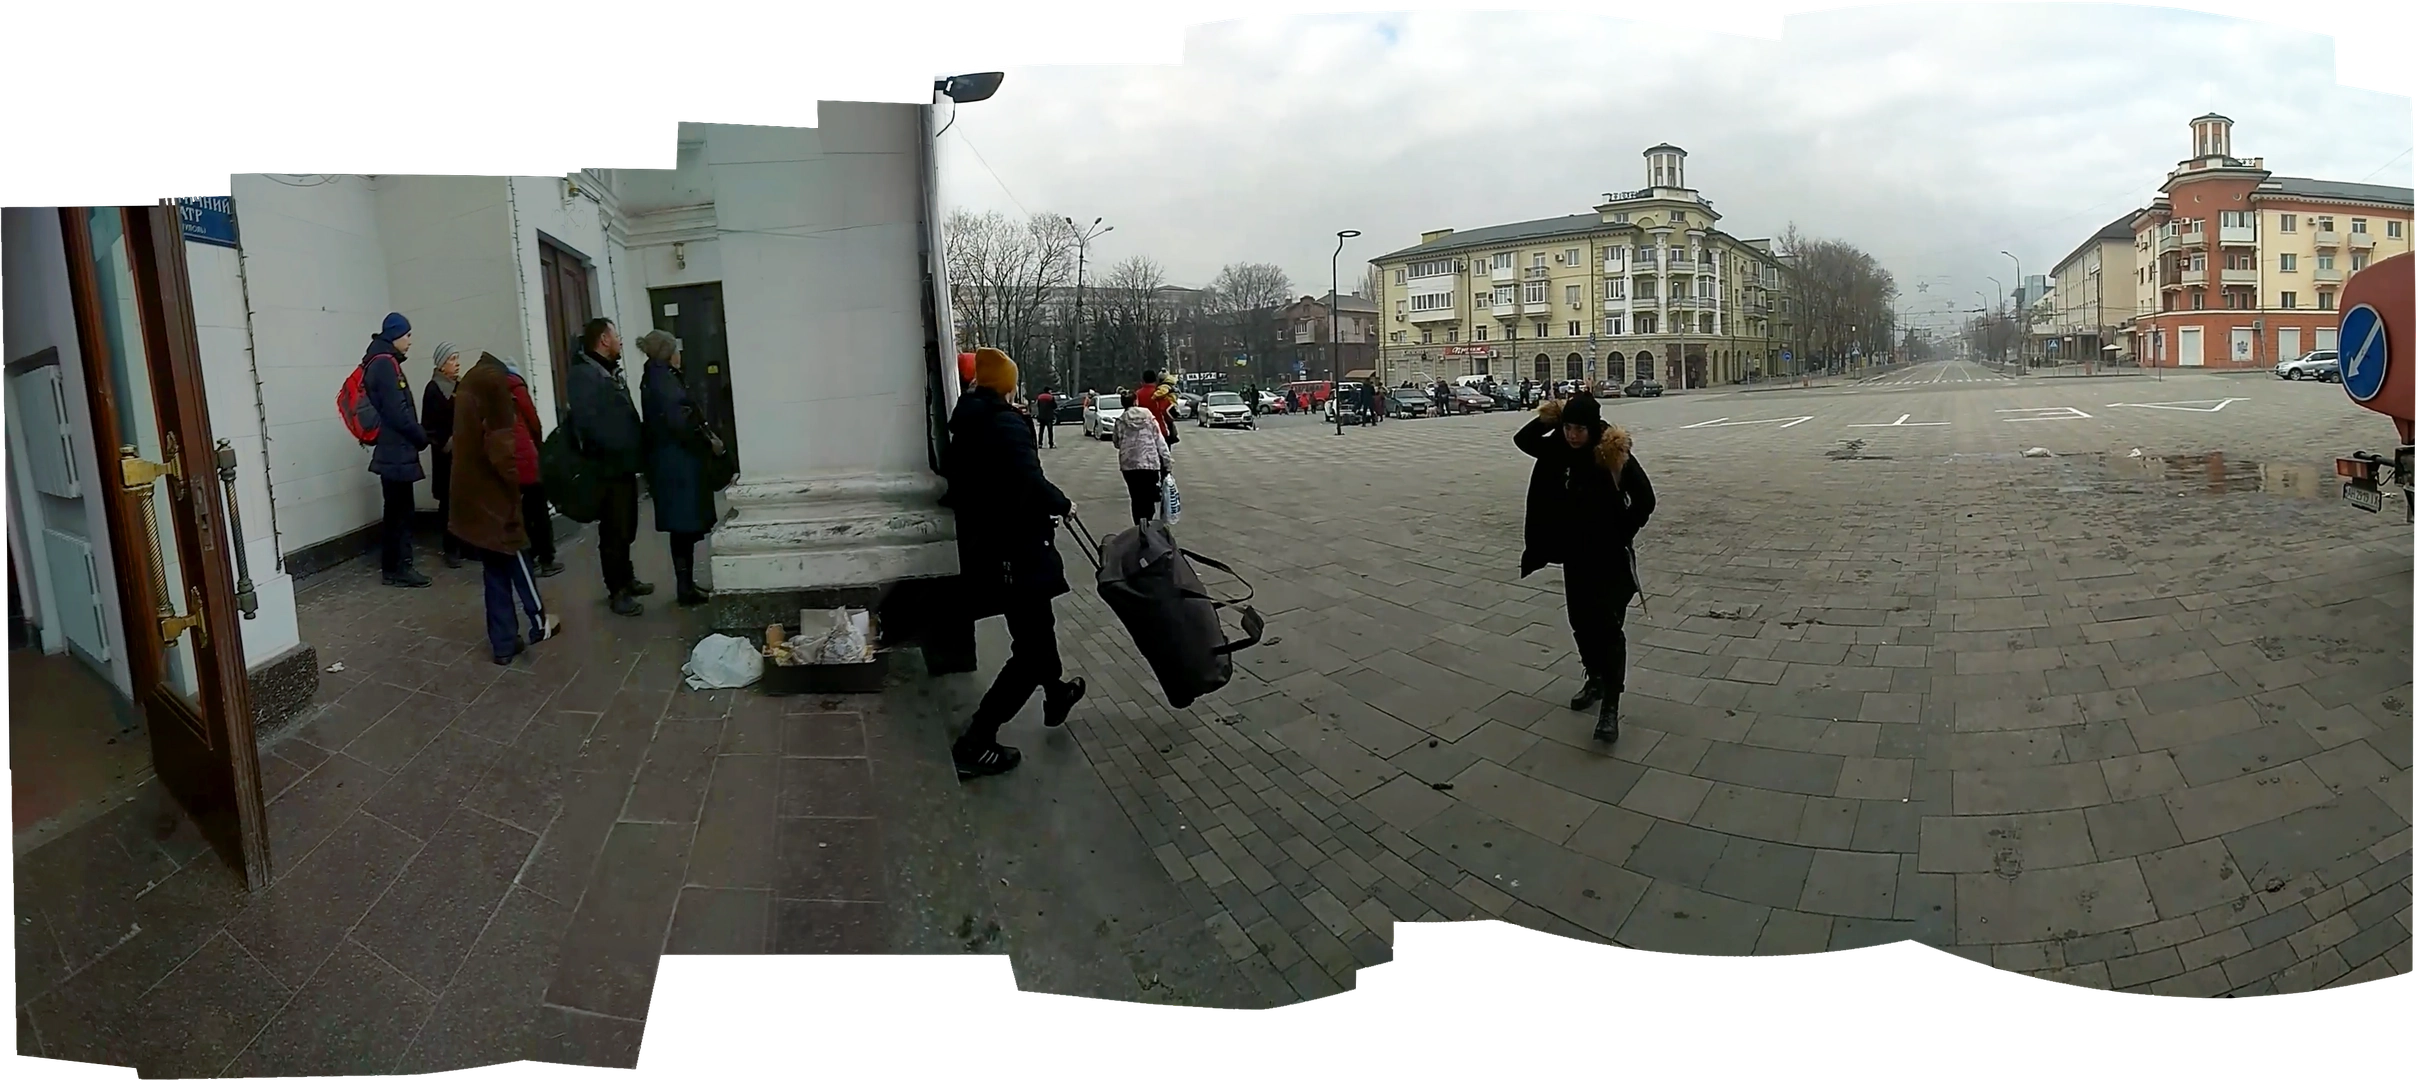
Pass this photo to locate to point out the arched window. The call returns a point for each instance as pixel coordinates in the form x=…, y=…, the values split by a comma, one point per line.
x=1614, y=369
x=1577, y=366
x=1544, y=369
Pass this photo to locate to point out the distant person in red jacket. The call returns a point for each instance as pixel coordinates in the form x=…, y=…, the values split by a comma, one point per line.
x=493, y=457
x=535, y=511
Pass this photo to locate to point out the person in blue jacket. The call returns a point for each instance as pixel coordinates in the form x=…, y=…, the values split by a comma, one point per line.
x=395, y=457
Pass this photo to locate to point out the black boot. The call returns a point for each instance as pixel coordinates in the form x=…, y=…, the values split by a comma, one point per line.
x=621, y=604
x=1607, y=719
x=684, y=574
x=639, y=588
x=1588, y=695
x=405, y=578
x=1060, y=700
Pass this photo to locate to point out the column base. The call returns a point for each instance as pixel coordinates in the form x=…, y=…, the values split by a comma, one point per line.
x=840, y=533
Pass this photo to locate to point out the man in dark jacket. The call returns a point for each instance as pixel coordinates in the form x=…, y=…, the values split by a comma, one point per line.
x=1007, y=521
x=395, y=457
x=436, y=419
x=605, y=423
x=1587, y=498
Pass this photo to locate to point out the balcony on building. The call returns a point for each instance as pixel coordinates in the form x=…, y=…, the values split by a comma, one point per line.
x=2239, y=277
x=2330, y=274
x=1614, y=305
x=2326, y=238
x=1504, y=311
x=1433, y=315
x=1647, y=258
x=1504, y=275
x=2238, y=234
x=1615, y=265
x=2166, y=241
x=2192, y=237
x=2361, y=241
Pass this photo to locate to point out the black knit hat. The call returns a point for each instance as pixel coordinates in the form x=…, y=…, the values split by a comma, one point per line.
x=1582, y=409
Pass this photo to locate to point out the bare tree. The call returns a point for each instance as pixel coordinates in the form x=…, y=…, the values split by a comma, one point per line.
x=1242, y=307
x=1369, y=281
x=1003, y=276
x=1843, y=298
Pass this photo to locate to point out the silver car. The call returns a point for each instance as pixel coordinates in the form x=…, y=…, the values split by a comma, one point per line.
x=1225, y=409
x=2322, y=365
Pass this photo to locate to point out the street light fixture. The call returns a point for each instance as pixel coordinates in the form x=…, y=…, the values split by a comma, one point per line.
x=1083, y=239
x=1334, y=343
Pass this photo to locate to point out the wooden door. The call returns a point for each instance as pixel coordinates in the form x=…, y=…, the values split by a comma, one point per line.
x=693, y=313
x=176, y=588
x=570, y=303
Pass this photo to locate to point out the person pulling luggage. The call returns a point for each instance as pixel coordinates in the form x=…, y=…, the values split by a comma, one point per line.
x=1587, y=498
x=1007, y=521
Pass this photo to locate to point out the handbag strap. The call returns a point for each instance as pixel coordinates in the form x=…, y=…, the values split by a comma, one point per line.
x=1253, y=624
x=1204, y=560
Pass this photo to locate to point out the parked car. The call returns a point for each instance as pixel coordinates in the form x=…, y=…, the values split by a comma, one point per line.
x=1187, y=405
x=1467, y=399
x=1642, y=386
x=2323, y=365
x=1271, y=402
x=1224, y=408
x=1409, y=404
x=1349, y=411
x=1100, y=416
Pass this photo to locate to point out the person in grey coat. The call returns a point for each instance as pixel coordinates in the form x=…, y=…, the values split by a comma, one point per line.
x=604, y=422
x=395, y=457
x=678, y=442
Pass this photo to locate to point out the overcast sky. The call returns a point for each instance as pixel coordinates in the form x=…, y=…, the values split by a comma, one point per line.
x=1932, y=136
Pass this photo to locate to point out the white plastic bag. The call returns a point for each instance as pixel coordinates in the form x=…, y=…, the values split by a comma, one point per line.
x=722, y=662
x=1171, y=501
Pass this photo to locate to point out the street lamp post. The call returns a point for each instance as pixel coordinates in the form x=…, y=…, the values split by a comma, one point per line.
x=1334, y=343
x=2024, y=324
x=1083, y=239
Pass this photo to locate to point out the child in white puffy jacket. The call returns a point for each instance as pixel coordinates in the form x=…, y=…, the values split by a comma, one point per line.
x=1143, y=457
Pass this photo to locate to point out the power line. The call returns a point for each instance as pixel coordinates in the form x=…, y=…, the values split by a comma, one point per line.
x=986, y=167
x=2405, y=152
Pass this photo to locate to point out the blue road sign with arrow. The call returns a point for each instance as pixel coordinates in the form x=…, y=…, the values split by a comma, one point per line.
x=2362, y=355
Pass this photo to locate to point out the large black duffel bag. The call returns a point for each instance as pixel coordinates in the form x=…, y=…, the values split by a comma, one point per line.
x=1148, y=580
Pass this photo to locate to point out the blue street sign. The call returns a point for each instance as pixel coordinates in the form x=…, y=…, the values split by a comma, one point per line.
x=2362, y=355
x=1784, y=355
x=208, y=220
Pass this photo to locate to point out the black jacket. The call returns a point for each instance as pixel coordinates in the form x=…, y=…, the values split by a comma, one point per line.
x=676, y=450
x=436, y=416
x=396, y=455
x=1577, y=509
x=603, y=419
x=1006, y=507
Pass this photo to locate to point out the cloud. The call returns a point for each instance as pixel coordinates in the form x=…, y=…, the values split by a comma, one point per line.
x=1933, y=136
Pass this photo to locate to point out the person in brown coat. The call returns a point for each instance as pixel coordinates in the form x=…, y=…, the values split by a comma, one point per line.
x=493, y=456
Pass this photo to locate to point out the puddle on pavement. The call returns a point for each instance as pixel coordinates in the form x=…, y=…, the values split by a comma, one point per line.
x=2218, y=473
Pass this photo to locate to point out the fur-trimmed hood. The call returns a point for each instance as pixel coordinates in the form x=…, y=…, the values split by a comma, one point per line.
x=1611, y=448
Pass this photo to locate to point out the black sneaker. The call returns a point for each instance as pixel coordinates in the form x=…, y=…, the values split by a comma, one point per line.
x=1607, y=719
x=623, y=605
x=1588, y=695
x=548, y=568
x=1060, y=700
x=505, y=659
x=984, y=761
x=453, y=560
x=546, y=627
x=640, y=588
x=693, y=596
x=406, y=578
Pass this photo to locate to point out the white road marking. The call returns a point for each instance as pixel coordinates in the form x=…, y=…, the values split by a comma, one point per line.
x=2203, y=405
x=1784, y=422
x=1901, y=422
x=2051, y=412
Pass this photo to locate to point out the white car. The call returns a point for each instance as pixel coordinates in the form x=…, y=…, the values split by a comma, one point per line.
x=1100, y=417
x=1226, y=409
x=2322, y=365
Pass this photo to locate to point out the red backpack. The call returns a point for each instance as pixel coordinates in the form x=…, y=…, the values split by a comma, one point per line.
x=354, y=407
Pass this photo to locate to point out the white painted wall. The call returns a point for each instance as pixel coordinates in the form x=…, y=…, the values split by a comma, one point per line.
x=38, y=312
x=449, y=269
x=229, y=386
x=540, y=205
x=318, y=278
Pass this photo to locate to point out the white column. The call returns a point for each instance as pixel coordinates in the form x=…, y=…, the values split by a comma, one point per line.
x=823, y=298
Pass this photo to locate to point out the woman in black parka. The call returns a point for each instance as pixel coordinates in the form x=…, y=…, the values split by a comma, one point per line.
x=1587, y=498
x=678, y=441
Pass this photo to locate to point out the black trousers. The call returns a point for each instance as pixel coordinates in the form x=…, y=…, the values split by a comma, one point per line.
x=539, y=519
x=440, y=483
x=1143, y=486
x=1598, y=594
x=616, y=530
x=394, y=553
x=684, y=559
x=1049, y=429
x=1032, y=664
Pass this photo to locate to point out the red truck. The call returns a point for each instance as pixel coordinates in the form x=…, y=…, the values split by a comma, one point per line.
x=2373, y=349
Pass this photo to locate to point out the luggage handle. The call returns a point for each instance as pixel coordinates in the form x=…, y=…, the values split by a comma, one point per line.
x=1253, y=624
x=1084, y=542
x=1204, y=560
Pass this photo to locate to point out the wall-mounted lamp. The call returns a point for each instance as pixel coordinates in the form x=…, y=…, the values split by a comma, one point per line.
x=680, y=254
x=968, y=89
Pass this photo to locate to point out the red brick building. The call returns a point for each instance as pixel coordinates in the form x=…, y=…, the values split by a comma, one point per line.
x=2238, y=267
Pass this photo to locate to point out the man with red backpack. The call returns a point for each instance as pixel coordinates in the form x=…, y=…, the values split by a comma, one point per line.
x=395, y=455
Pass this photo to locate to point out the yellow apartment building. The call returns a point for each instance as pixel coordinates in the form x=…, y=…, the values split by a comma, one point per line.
x=1645, y=283
x=2091, y=297
x=2237, y=267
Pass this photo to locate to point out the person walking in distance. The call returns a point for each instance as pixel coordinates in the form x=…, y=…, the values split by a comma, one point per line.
x=1045, y=410
x=1587, y=499
x=606, y=425
x=1007, y=519
x=395, y=457
x=494, y=456
x=1142, y=456
x=536, y=514
x=436, y=419
x=678, y=442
